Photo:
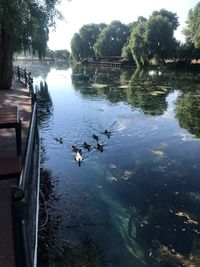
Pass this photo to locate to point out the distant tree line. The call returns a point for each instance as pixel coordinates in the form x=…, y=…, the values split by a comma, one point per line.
x=143, y=42
x=61, y=54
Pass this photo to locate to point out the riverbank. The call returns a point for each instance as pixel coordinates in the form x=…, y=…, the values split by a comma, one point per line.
x=180, y=65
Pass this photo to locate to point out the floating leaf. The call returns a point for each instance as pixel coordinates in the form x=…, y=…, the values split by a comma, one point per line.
x=98, y=85
x=127, y=174
x=112, y=166
x=157, y=152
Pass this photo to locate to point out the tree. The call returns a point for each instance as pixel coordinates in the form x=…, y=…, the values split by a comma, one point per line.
x=62, y=54
x=112, y=39
x=187, y=52
x=76, y=47
x=159, y=34
x=89, y=34
x=126, y=55
x=192, y=30
x=82, y=43
x=138, y=44
x=23, y=25
x=153, y=38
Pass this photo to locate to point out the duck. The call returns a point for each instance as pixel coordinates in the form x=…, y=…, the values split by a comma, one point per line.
x=95, y=137
x=99, y=147
x=76, y=149
x=87, y=146
x=59, y=139
x=106, y=132
x=79, y=157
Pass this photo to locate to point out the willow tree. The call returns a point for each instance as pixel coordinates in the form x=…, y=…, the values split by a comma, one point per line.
x=138, y=44
x=24, y=25
x=159, y=34
x=192, y=30
x=112, y=39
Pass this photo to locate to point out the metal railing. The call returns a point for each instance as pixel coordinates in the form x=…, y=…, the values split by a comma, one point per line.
x=25, y=207
x=23, y=76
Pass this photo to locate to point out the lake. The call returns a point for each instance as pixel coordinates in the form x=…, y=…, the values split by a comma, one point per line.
x=136, y=202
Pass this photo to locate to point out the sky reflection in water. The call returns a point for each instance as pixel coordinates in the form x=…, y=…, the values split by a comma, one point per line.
x=138, y=199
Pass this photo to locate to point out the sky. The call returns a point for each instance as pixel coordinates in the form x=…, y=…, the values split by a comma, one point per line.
x=80, y=12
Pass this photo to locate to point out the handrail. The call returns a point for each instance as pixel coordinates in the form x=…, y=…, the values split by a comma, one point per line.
x=23, y=75
x=29, y=146
x=26, y=195
x=21, y=201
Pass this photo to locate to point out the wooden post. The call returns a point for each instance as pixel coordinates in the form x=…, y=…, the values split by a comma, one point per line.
x=18, y=73
x=25, y=77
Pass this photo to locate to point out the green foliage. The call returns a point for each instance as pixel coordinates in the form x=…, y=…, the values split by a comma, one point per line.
x=188, y=112
x=153, y=38
x=192, y=30
x=112, y=39
x=138, y=44
x=61, y=54
x=89, y=34
x=187, y=52
x=159, y=34
x=126, y=54
x=171, y=17
x=82, y=43
x=76, y=47
x=27, y=23
x=24, y=25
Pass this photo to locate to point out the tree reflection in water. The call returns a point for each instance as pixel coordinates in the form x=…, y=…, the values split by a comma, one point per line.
x=188, y=111
x=163, y=221
x=143, y=194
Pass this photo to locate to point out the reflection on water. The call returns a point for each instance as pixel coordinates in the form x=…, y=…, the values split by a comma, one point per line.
x=138, y=201
x=188, y=111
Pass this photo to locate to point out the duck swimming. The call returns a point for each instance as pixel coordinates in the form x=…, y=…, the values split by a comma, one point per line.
x=95, y=137
x=99, y=147
x=59, y=139
x=87, y=146
x=106, y=132
x=79, y=157
x=76, y=149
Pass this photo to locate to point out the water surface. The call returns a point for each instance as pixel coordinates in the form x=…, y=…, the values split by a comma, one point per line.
x=139, y=199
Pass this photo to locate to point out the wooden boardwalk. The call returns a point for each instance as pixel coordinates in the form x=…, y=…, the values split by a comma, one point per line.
x=20, y=97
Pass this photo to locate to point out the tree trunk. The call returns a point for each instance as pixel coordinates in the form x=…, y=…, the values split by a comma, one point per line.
x=6, y=57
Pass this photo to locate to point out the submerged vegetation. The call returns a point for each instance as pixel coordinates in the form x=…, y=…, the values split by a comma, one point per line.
x=137, y=204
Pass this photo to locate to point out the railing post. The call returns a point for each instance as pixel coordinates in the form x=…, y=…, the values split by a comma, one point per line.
x=25, y=77
x=18, y=73
x=21, y=245
x=29, y=79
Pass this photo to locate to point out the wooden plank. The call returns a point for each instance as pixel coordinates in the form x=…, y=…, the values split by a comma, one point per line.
x=9, y=119
x=10, y=167
x=7, y=258
x=8, y=114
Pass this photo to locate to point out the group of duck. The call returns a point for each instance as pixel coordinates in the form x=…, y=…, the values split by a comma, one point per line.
x=98, y=146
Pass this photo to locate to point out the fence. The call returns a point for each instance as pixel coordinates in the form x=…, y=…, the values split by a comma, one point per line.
x=23, y=76
x=25, y=206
